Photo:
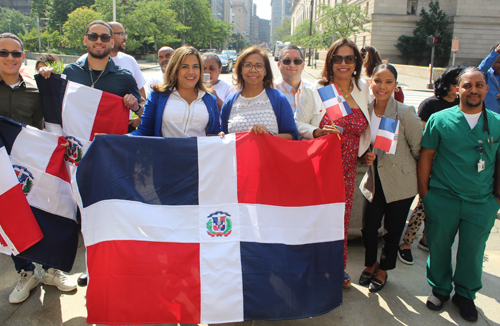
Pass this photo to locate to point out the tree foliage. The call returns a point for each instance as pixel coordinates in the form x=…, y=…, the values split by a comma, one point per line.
x=75, y=27
x=59, y=10
x=283, y=31
x=17, y=21
x=435, y=22
x=154, y=23
x=30, y=40
x=301, y=36
x=342, y=20
x=197, y=15
x=40, y=8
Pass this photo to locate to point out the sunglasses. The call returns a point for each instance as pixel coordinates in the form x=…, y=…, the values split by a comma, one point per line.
x=288, y=61
x=349, y=59
x=104, y=37
x=15, y=54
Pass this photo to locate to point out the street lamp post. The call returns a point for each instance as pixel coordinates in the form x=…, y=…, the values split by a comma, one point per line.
x=8, y=21
x=39, y=38
x=47, y=25
x=60, y=29
x=310, y=32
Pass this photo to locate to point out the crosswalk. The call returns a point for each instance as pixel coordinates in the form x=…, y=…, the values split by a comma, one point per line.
x=414, y=98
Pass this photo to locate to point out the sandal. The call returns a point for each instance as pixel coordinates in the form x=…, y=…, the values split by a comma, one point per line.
x=347, y=281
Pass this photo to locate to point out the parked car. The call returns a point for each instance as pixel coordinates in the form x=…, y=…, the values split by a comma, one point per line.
x=227, y=64
x=208, y=50
x=231, y=54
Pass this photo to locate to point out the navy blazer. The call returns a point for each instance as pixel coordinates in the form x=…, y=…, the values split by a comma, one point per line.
x=152, y=117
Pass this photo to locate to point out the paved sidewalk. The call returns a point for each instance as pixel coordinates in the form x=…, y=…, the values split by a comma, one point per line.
x=401, y=302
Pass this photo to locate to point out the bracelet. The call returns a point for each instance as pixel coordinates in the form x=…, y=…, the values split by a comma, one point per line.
x=138, y=109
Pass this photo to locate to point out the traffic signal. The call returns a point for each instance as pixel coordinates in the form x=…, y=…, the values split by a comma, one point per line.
x=433, y=40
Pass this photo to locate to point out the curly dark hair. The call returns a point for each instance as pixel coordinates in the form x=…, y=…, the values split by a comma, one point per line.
x=443, y=83
x=327, y=74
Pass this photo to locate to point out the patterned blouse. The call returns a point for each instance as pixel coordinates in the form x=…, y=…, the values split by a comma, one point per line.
x=248, y=112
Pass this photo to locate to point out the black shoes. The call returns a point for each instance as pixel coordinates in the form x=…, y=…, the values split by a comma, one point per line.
x=366, y=278
x=377, y=285
x=466, y=306
x=405, y=256
x=82, y=279
x=435, y=301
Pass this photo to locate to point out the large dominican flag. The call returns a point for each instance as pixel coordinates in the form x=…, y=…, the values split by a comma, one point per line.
x=210, y=230
x=19, y=229
x=72, y=109
x=38, y=160
x=387, y=135
x=335, y=104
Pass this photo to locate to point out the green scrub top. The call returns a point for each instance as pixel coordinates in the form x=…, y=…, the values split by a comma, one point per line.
x=458, y=147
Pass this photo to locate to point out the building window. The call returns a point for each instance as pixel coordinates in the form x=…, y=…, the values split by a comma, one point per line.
x=411, y=8
x=364, y=40
x=367, y=6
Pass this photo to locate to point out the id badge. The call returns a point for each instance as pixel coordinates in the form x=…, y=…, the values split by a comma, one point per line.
x=480, y=165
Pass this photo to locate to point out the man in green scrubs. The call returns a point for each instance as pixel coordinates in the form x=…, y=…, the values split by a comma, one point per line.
x=455, y=175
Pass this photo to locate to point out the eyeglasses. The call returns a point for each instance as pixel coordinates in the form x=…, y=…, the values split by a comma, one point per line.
x=349, y=59
x=15, y=54
x=94, y=36
x=122, y=34
x=288, y=61
x=258, y=67
x=496, y=64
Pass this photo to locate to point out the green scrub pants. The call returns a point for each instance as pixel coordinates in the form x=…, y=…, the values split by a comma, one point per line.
x=445, y=215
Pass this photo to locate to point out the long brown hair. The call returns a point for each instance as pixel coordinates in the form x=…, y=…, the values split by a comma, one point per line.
x=238, y=77
x=372, y=59
x=170, y=79
x=327, y=74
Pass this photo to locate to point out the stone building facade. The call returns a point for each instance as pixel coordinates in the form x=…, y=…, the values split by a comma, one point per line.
x=475, y=23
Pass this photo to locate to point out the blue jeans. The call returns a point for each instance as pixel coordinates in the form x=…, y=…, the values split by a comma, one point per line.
x=21, y=263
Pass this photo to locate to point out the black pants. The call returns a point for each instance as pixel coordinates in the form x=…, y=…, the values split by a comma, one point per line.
x=394, y=224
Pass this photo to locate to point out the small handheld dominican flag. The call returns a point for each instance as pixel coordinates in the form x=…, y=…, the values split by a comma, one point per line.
x=334, y=102
x=387, y=136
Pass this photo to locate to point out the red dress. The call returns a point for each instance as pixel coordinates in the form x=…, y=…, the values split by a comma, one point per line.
x=354, y=125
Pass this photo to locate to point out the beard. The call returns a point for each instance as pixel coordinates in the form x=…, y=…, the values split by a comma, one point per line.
x=469, y=104
x=163, y=66
x=121, y=47
x=102, y=55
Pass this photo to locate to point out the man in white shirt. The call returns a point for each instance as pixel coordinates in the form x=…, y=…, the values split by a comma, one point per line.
x=291, y=64
x=164, y=55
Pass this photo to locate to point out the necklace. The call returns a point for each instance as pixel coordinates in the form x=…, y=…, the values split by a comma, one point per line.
x=348, y=91
x=92, y=79
x=374, y=108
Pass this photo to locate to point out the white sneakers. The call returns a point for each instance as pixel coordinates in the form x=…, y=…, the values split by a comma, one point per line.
x=57, y=278
x=29, y=280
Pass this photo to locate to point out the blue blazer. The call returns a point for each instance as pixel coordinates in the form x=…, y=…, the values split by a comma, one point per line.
x=281, y=108
x=153, y=115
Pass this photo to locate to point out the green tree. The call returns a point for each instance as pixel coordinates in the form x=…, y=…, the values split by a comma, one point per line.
x=197, y=16
x=343, y=20
x=283, y=31
x=75, y=27
x=40, y=8
x=30, y=40
x=435, y=22
x=59, y=10
x=17, y=22
x=301, y=36
x=221, y=32
x=154, y=23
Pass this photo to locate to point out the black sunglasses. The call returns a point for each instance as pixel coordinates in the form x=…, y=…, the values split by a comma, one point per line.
x=337, y=59
x=94, y=36
x=288, y=61
x=15, y=54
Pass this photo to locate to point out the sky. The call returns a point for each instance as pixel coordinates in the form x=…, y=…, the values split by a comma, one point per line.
x=263, y=8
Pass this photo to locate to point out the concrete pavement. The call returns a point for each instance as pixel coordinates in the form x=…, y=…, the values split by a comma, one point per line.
x=401, y=302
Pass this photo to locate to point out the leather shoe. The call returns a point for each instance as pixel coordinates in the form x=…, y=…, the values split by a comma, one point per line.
x=466, y=306
x=366, y=277
x=82, y=279
x=377, y=285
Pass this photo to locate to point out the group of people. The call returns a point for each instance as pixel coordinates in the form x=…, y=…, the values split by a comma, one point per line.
x=432, y=150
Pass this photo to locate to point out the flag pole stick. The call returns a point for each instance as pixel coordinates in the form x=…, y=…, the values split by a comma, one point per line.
x=335, y=128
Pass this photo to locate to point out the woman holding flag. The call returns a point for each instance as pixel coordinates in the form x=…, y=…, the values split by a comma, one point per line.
x=343, y=70
x=390, y=184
